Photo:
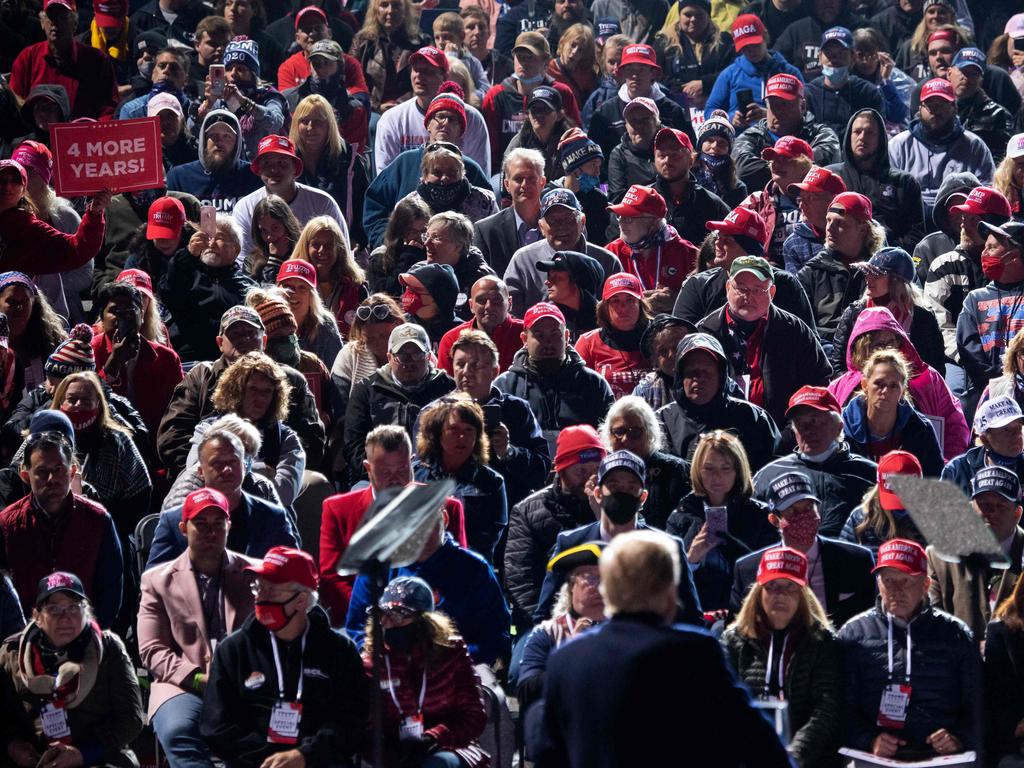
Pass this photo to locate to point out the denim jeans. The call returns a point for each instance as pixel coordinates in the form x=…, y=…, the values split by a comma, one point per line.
x=177, y=727
x=442, y=760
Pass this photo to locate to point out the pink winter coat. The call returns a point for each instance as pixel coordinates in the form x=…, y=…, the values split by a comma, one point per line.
x=927, y=387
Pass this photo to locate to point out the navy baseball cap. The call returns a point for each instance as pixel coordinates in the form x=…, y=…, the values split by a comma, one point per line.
x=970, y=57
x=545, y=94
x=605, y=27
x=789, y=488
x=841, y=35
x=996, y=480
x=621, y=460
x=889, y=261
x=407, y=594
x=561, y=196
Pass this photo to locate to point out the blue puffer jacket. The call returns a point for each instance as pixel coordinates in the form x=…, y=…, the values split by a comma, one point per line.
x=802, y=245
x=944, y=675
x=964, y=467
x=742, y=74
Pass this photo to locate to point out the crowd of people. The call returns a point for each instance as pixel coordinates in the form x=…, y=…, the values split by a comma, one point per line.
x=669, y=290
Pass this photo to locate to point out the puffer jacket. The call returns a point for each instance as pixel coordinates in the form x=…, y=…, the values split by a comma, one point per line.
x=831, y=287
x=746, y=150
x=803, y=244
x=533, y=528
x=684, y=422
x=840, y=481
x=812, y=685
x=629, y=164
x=944, y=674
x=932, y=396
x=912, y=431
x=988, y=120
x=743, y=74
x=667, y=483
x=925, y=336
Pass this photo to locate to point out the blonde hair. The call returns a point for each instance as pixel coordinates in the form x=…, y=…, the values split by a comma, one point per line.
x=876, y=517
x=919, y=40
x=893, y=359
x=459, y=73
x=372, y=30
x=729, y=446
x=105, y=419
x=1003, y=180
x=615, y=41
x=585, y=34
x=344, y=265
x=1010, y=355
x=639, y=571
x=316, y=105
x=708, y=44
x=318, y=315
x=230, y=390
x=439, y=632
x=752, y=622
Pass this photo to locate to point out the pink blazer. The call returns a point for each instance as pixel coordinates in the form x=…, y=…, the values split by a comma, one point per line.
x=173, y=642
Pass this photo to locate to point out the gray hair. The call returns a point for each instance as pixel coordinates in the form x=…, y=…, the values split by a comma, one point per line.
x=459, y=225
x=245, y=431
x=226, y=223
x=637, y=407
x=521, y=154
x=225, y=437
x=389, y=438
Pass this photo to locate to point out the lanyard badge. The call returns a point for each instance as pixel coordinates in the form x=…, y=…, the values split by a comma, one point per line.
x=892, y=709
x=410, y=726
x=55, y=722
x=286, y=716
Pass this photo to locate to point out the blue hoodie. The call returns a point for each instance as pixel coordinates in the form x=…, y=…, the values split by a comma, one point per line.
x=223, y=188
x=914, y=433
x=742, y=74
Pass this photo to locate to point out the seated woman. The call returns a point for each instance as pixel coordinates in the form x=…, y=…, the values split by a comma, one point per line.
x=881, y=515
x=613, y=348
x=390, y=35
x=152, y=326
x=431, y=679
x=318, y=329
x=659, y=344
x=367, y=349
x=339, y=280
x=576, y=62
x=876, y=329
x=165, y=232
x=543, y=128
x=256, y=389
x=720, y=521
x=695, y=52
x=402, y=246
x=62, y=656
x=881, y=419
x=34, y=330
x=452, y=443
x=444, y=187
x=781, y=645
x=274, y=233
x=449, y=240
x=715, y=169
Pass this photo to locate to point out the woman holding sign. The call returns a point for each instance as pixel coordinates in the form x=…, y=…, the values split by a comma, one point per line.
x=32, y=246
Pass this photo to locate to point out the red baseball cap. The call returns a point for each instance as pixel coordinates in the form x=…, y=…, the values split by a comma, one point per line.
x=539, y=311
x=747, y=29
x=818, y=179
x=984, y=201
x=139, y=279
x=435, y=57
x=638, y=53
x=940, y=88
x=742, y=221
x=949, y=35
x=818, y=398
x=166, y=218
x=622, y=282
x=111, y=13
x=673, y=134
x=310, y=9
x=282, y=565
x=903, y=555
x=782, y=563
x=275, y=144
x=640, y=201
x=787, y=147
x=17, y=168
x=895, y=463
x=204, y=498
x=577, y=445
x=299, y=270
x=69, y=4
x=785, y=86
x=852, y=204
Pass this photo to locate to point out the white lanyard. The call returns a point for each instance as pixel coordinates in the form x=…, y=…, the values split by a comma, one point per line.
x=277, y=663
x=391, y=689
x=570, y=624
x=782, y=665
x=909, y=647
x=657, y=270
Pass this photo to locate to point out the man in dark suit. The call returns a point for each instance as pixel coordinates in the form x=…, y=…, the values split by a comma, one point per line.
x=838, y=572
x=619, y=494
x=643, y=662
x=995, y=496
x=503, y=233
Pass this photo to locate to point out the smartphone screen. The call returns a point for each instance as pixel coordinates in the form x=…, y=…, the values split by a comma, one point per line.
x=217, y=80
x=718, y=520
x=208, y=220
x=744, y=98
x=1018, y=44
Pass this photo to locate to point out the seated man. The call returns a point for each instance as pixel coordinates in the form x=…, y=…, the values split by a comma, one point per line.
x=394, y=394
x=500, y=235
x=574, y=282
x=388, y=464
x=620, y=494
x=54, y=528
x=189, y=605
x=631, y=160
x=431, y=292
x=241, y=331
x=489, y=302
x=265, y=706
x=813, y=196
x=995, y=496
x=999, y=425
x=839, y=478
x=257, y=525
x=882, y=716
x=839, y=572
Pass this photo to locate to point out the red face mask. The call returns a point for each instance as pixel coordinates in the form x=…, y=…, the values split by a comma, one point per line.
x=411, y=302
x=273, y=615
x=800, y=528
x=82, y=419
x=992, y=266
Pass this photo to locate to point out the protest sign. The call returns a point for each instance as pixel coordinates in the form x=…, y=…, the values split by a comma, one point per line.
x=122, y=155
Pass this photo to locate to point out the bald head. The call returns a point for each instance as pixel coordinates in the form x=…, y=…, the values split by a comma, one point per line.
x=490, y=303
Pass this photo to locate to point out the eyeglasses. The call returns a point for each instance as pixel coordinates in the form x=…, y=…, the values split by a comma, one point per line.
x=271, y=591
x=633, y=433
x=781, y=587
x=409, y=357
x=378, y=312
x=443, y=118
x=751, y=291
x=56, y=611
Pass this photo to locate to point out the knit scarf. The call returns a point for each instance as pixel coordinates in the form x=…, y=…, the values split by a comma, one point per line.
x=116, y=49
x=67, y=674
x=444, y=197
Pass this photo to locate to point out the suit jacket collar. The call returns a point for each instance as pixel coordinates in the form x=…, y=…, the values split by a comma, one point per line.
x=232, y=574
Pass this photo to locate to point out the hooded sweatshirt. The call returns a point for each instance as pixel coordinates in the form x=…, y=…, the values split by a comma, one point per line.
x=895, y=194
x=927, y=387
x=742, y=74
x=941, y=240
x=222, y=188
x=911, y=432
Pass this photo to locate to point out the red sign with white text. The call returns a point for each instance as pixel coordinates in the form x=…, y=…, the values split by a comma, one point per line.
x=122, y=155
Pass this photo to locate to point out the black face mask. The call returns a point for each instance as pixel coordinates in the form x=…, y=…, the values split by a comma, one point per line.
x=401, y=639
x=621, y=507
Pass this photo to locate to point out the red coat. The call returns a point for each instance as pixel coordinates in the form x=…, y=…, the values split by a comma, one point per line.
x=341, y=517
x=156, y=374
x=88, y=77
x=506, y=336
x=665, y=268
x=453, y=707
x=30, y=245
x=623, y=370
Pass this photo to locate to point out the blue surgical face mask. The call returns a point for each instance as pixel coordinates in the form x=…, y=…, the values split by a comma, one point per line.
x=146, y=69
x=535, y=80
x=588, y=182
x=836, y=75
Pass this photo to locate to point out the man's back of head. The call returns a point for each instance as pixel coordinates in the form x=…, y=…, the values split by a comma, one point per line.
x=639, y=574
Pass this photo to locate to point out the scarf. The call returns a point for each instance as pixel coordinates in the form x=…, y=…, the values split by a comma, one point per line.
x=67, y=673
x=903, y=317
x=627, y=341
x=117, y=49
x=444, y=197
x=650, y=241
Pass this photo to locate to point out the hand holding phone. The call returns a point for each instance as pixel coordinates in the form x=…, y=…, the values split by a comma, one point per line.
x=718, y=521
x=218, y=80
x=208, y=220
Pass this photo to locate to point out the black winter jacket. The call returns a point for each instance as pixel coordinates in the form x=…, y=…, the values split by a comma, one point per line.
x=704, y=292
x=944, y=675
x=691, y=214
x=607, y=126
x=990, y=121
x=831, y=287
x=681, y=64
x=747, y=148
x=799, y=42
x=833, y=106
x=527, y=463
x=924, y=335
x=668, y=481
x=629, y=165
